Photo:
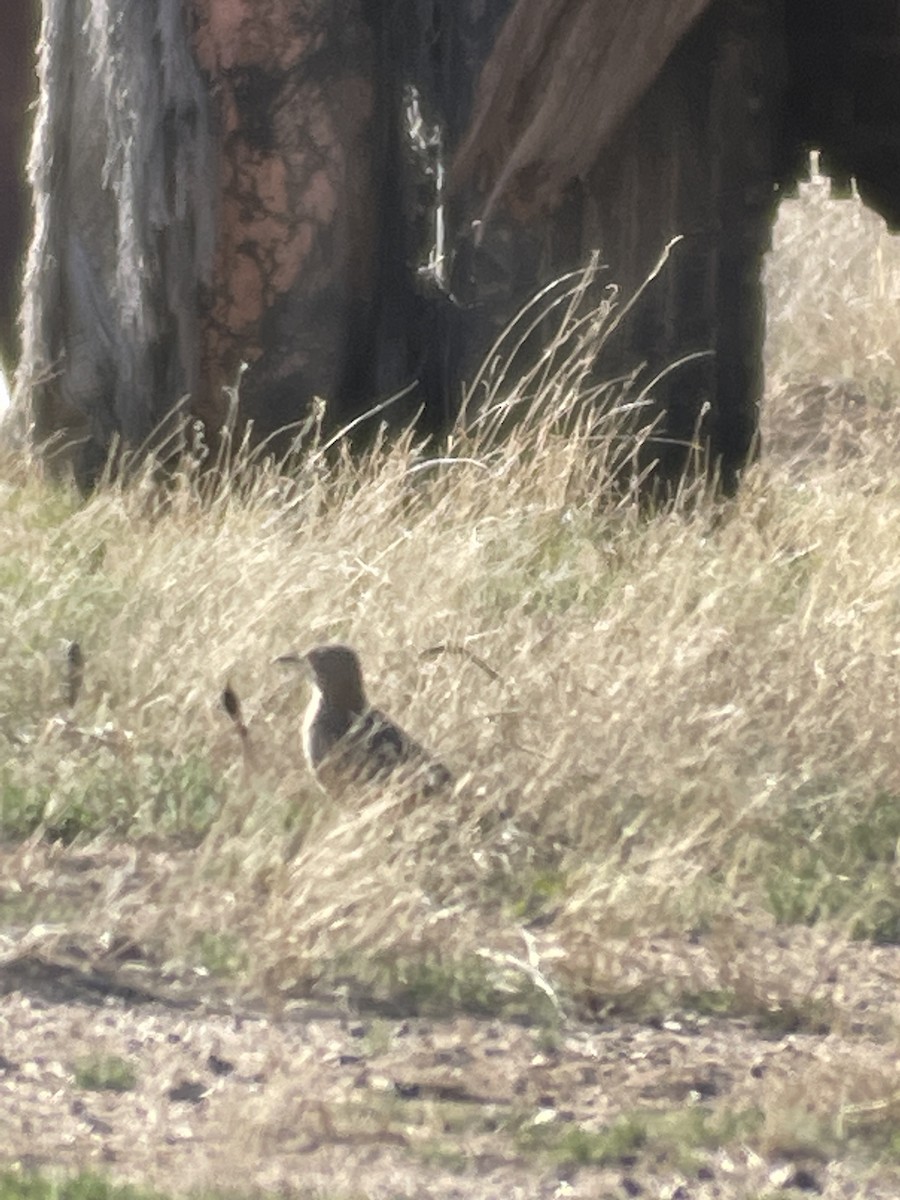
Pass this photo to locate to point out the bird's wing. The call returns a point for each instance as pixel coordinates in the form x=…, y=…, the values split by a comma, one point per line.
x=375, y=748
x=390, y=746
x=383, y=744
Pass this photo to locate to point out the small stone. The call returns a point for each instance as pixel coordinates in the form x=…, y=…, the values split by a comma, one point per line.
x=407, y=1091
x=803, y=1180
x=190, y=1091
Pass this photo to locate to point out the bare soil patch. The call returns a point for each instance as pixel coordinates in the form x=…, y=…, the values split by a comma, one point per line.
x=324, y=1101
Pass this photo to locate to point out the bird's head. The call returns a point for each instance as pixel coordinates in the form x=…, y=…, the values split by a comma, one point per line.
x=336, y=672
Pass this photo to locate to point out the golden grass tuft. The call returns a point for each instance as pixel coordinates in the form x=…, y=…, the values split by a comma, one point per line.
x=686, y=727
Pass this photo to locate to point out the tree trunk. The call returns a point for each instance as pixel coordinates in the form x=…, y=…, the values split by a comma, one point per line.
x=18, y=84
x=220, y=183
x=694, y=160
x=209, y=184
x=122, y=176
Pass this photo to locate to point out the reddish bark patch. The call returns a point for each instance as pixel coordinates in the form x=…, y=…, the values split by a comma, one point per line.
x=296, y=171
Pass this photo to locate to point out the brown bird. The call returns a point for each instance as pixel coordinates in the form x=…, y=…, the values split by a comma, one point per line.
x=346, y=741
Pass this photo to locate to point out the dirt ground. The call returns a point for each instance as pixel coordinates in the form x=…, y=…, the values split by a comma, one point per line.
x=330, y=1103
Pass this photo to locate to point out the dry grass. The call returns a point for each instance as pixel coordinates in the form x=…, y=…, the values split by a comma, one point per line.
x=832, y=358
x=687, y=733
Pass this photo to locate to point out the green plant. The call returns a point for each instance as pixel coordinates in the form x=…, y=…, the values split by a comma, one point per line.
x=836, y=858
x=222, y=954
x=105, y=1072
x=83, y=1186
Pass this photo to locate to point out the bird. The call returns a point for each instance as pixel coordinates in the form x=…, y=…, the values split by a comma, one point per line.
x=346, y=742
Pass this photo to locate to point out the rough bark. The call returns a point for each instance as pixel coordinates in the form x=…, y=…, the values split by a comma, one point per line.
x=225, y=182
x=296, y=261
x=18, y=84
x=692, y=158
x=123, y=177
x=208, y=176
x=695, y=160
x=560, y=80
